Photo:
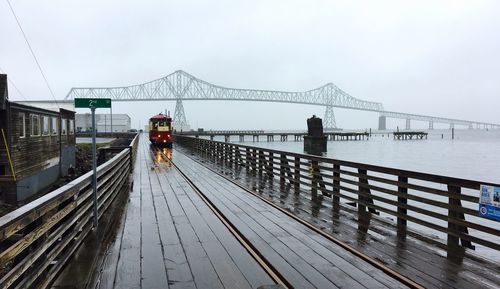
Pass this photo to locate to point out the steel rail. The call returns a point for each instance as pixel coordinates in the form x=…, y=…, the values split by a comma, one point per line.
x=379, y=265
x=275, y=275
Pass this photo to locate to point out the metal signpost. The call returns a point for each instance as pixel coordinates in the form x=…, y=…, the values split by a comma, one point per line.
x=489, y=202
x=93, y=103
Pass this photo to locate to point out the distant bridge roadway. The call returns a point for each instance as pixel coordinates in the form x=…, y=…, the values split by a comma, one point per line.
x=181, y=86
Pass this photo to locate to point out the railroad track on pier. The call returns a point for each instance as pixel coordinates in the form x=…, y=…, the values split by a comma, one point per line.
x=259, y=258
x=263, y=262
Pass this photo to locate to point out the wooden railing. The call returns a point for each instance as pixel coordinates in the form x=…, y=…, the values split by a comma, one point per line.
x=37, y=239
x=434, y=204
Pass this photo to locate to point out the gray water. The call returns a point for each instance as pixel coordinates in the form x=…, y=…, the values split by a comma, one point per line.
x=472, y=154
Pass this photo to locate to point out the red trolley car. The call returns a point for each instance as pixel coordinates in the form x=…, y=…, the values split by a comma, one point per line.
x=160, y=130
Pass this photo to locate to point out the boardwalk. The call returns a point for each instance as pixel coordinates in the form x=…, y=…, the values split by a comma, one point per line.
x=170, y=237
x=420, y=259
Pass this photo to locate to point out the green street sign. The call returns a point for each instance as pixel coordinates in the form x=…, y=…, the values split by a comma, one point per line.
x=93, y=102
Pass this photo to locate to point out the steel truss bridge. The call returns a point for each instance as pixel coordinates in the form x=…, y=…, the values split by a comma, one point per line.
x=180, y=86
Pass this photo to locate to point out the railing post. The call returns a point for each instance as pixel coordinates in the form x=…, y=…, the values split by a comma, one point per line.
x=283, y=162
x=218, y=151
x=296, y=182
x=270, y=166
x=317, y=179
x=314, y=181
x=213, y=152
x=247, y=159
x=336, y=189
x=225, y=154
x=237, y=152
x=402, y=200
x=452, y=241
x=208, y=152
x=364, y=190
x=261, y=162
x=456, y=216
x=234, y=156
x=131, y=157
x=254, y=161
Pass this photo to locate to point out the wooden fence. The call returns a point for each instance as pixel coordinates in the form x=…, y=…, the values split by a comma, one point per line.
x=38, y=239
x=439, y=205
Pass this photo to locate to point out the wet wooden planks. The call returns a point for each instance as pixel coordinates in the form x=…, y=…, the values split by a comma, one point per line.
x=171, y=239
x=414, y=258
x=291, y=247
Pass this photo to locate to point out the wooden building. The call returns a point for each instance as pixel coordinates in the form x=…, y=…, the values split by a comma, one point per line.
x=37, y=147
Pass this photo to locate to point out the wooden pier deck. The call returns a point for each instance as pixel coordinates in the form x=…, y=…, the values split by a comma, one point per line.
x=170, y=238
x=418, y=255
x=409, y=135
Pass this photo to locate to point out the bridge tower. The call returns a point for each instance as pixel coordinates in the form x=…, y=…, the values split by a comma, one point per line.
x=180, y=122
x=329, y=119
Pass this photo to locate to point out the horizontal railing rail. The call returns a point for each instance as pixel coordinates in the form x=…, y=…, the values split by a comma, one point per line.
x=37, y=239
x=432, y=204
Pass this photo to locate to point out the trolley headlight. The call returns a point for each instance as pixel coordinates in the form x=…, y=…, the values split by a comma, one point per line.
x=164, y=141
x=158, y=135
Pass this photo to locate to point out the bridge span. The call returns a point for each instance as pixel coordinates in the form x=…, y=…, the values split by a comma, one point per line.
x=180, y=86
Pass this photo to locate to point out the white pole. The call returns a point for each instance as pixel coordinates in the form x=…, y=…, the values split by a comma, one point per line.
x=111, y=112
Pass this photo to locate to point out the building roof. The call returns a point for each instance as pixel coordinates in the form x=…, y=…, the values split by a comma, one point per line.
x=49, y=104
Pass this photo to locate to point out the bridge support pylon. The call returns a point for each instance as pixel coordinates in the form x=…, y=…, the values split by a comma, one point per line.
x=408, y=125
x=329, y=119
x=180, y=122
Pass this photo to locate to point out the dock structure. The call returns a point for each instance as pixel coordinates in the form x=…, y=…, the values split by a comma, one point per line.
x=409, y=135
x=210, y=214
x=283, y=136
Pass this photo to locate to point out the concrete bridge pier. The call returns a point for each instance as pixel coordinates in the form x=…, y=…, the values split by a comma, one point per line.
x=382, y=122
x=408, y=127
x=431, y=125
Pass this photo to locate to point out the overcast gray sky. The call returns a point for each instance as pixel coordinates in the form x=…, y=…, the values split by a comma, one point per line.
x=428, y=57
